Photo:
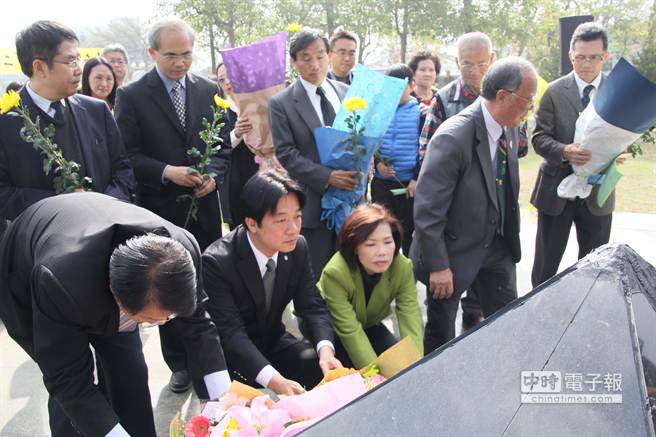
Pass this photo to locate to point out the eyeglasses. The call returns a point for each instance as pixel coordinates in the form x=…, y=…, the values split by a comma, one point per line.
x=158, y=323
x=592, y=59
x=71, y=62
x=116, y=61
x=530, y=101
x=175, y=56
x=479, y=66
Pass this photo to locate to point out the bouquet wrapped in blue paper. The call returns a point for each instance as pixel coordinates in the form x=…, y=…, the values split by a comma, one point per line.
x=350, y=144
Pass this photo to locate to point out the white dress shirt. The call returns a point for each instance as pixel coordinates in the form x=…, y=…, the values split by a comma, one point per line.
x=581, y=84
x=315, y=99
x=494, y=131
x=42, y=102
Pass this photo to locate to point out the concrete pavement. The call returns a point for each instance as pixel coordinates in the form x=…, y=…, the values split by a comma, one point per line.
x=23, y=398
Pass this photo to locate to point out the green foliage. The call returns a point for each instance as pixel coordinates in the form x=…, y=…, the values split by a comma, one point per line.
x=211, y=136
x=67, y=177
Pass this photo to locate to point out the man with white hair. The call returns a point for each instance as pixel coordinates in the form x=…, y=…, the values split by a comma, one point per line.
x=466, y=210
x=160, y=116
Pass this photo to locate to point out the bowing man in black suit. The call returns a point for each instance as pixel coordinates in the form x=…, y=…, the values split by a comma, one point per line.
x=82, y=270
x=85, y=130
x=160, y=117
x=251, y=275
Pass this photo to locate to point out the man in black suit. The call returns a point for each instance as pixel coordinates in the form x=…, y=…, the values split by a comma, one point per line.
x=82, y=270
x=252, y=274
x=553, y=139
x=160, y=117
x=466, y=211
x=85, y=130
x=310, y=102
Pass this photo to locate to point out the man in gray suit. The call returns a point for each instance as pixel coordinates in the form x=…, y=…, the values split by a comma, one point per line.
x=310, y=102
x=555, y=124
x=466, y=211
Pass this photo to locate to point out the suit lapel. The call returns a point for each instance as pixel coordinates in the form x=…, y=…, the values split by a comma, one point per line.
x=283, y=272
x=483, y=152
x=88, y=141
x=191, y=107
x=304, y=106
x=513, y=164
x=572, y=93
x=163, y=100
x=250, y=274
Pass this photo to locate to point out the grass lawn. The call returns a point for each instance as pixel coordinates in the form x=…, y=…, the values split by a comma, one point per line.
x=635, y=192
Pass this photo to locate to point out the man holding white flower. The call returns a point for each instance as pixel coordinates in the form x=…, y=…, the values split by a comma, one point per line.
x=553, y=139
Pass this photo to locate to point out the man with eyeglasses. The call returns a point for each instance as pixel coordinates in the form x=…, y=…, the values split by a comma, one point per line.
x=160, y=117
x=342, y=56
x=82, y=271
x=466, y=211
x=84, y=129
x=553, y=139
x=117, y=57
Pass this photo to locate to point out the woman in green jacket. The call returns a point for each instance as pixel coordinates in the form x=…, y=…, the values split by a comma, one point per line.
x=362, y=279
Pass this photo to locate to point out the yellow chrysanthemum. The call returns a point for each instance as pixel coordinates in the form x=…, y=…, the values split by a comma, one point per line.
x=352, y=104
x=221, y=103
x=233, y=425
x=294, y=27
x=8, y=101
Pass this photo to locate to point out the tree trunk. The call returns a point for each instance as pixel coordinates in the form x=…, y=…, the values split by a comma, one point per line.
x=212, y=47
x=330, y=16
x=404, y=32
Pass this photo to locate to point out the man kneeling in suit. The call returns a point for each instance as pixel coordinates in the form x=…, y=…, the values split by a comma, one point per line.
x=84, y=270
x=251, y=275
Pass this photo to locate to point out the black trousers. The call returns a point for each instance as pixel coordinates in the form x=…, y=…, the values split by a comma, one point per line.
x=125, y=385
x=379, y=337
x=400, y=206
x=592, y=231
x=496, y=283
x=321, y=243
x=297, y=361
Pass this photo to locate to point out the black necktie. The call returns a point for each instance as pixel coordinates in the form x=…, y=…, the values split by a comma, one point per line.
x=327, y=110
x=178, y=104
x=501, y=161
x=586, y=95
x=59, y=111
x=269, y=280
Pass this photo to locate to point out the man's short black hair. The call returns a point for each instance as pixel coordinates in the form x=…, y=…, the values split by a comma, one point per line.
x=591, y=31
x=151, y=269
x=301, y=40
x=400, y=71
x=41, y=40
x=262, y=192
x=343, y=34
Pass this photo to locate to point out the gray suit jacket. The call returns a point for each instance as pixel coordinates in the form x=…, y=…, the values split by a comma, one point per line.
x=555, y=124
x=293, y=119
x=456, y=210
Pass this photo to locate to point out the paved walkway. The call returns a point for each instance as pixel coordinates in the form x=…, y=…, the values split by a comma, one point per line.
x=23, y=398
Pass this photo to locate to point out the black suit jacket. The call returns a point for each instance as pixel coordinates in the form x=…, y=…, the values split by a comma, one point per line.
x=154, y=138
x=54, y=293
x=22, y=179
x=293, y=119
x=237, y=305
x=456, y=209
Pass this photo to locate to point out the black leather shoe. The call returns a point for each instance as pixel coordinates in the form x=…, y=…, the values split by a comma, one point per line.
x=180, y=381
x=470, y=320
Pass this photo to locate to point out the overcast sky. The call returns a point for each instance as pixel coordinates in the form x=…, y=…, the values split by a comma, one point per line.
x=77, y=14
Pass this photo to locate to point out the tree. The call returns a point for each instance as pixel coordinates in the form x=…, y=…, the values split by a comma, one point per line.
x=130, y=32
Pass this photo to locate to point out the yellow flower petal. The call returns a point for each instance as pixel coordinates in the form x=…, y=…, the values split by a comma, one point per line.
x=352, y=104
x=221, y=103
x=294, y=27
x=8, y=101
